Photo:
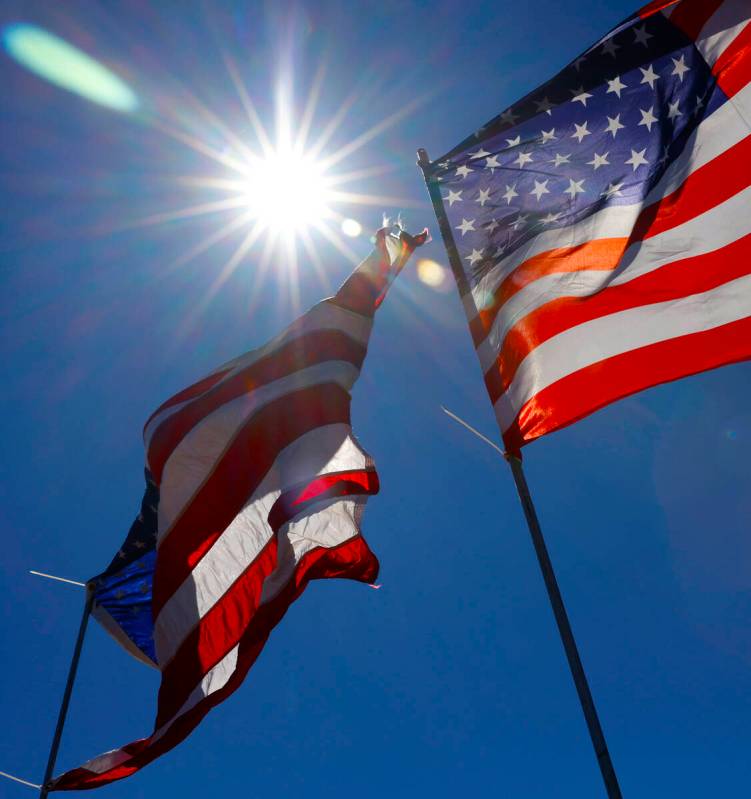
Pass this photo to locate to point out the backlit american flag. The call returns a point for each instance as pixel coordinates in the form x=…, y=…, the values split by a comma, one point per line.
x=255, y=485
x=599, y=228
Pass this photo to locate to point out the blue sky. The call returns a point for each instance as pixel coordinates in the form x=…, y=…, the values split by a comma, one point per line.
x=451, y=678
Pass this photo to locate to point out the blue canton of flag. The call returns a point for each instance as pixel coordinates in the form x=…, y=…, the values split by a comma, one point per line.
x=599, y=133
x=122, y=593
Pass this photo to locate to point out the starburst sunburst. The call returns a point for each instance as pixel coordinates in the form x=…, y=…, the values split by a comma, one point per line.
x=282, y=192
x=288, y=191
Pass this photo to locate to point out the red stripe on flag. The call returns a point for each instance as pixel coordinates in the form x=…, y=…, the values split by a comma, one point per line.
x=222, y=626
x=569, y=399
x=733, y=68
x=352, y=560
x=308, y=350
x=341, y=484
x=705, y=188
x=216, y=634
x=670, y=282
x=237, y=474
x=691, y=16
x=189, y=393
x=655, y=6
x=321, y=487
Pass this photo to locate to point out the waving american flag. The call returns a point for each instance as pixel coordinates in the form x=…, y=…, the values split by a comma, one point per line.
x=255, y=486
x=600, y=228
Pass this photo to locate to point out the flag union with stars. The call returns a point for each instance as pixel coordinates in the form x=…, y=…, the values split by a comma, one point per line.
x=600, y=133
x=122, y=593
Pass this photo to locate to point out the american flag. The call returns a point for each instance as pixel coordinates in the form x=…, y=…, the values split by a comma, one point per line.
x=599, y=228
x=255, y=486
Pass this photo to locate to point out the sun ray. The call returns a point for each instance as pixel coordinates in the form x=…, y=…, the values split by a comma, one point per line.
x=315, y=259
x=374, y=130
x=263, y=265
x=212, y=118
x=182, y=213
x=375, y=199
x=232, y=138
x=284, y=101
x=310, y=108
x=247, y=103
x=208, y=242
x=335, y=239
x=361, y=174
x=192, y=318
x=291, y=268
x=206, y=182
x=333, y=125
x=200, y=147
x=229, y=267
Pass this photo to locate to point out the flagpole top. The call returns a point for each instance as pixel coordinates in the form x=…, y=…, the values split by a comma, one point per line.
x=422, y=157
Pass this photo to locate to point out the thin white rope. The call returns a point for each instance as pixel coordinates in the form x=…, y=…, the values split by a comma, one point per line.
x=18, y=779
x=472, y=430
x=59, y=579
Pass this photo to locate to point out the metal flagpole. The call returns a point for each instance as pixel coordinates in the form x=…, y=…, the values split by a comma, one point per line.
x=551, y=584
x=564, y=628
x=68, y=691
x=59, y=579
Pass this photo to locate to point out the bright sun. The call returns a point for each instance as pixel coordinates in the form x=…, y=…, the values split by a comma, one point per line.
x=278, y=194
x=288, y=192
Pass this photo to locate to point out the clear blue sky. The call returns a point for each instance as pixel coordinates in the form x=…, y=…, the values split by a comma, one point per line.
x=451, y=679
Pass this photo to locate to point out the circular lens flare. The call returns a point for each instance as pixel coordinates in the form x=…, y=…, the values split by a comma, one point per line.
x=431, y=273
x=287, y=192
x=351, y=228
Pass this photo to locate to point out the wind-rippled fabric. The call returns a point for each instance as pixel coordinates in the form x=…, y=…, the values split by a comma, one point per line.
x=601, y=226
x=255, y=486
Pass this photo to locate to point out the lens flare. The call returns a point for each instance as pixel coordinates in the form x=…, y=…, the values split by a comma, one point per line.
x=53, y=59
x=351, y=228
x=431, y=273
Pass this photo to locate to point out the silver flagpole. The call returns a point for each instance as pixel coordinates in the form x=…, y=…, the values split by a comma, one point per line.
x=19, y=780
x=67, y=693
x=546, y=567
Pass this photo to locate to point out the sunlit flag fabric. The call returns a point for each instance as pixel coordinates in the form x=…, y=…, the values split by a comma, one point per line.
x=255, y=486
x=601, y=225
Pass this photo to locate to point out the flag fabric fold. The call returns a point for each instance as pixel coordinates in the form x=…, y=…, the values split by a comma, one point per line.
x=601, y=226
x=255, y=485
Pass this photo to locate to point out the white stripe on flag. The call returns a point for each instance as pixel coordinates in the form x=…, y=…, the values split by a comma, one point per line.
x=214, y=680
x=722, y=29
x=242, y=541
x=615, y=221
x=716, y=228
x=106, y=761
x=716, y=134
x=599, y=339
x=332, y=523
x=324, y=316
x=195, y=457
x=719, y=226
